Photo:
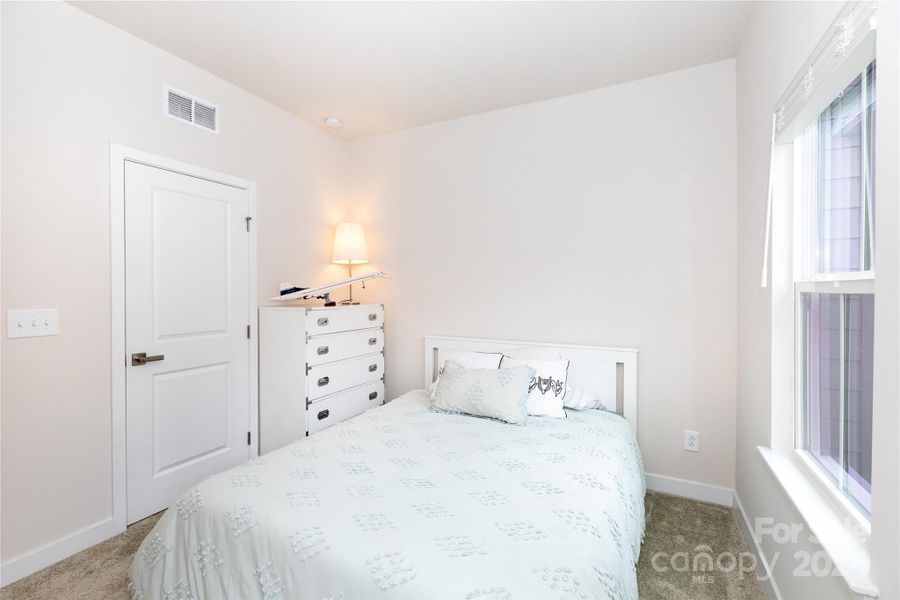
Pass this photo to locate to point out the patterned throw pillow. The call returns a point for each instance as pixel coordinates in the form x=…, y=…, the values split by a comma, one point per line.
x=496, y=393
x=547, y=388
x=469, y=360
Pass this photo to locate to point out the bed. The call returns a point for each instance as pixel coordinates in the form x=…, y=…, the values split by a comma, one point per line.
x=405, y=502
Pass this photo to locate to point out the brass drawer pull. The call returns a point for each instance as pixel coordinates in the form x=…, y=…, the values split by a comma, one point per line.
x=373, y=368
x=372, y=316
x=322, y=350
x=373, y=395
x=323, y=381
x=373, y=341
x=323, y=414
x=322, y=322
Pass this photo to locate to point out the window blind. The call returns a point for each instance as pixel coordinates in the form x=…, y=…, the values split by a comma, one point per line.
x=845, y=50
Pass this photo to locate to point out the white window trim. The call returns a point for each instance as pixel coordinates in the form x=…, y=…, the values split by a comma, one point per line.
x=808, y=462
x=842, y=530
x=807, y=279
x=838, y=526
x=840, y=535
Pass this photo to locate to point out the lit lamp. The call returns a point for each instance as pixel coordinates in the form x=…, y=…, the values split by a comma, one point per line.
x=349, y=248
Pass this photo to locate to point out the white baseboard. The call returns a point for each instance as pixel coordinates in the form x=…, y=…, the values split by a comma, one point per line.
x=768, y=584
x=39, y=558
x=704, y=492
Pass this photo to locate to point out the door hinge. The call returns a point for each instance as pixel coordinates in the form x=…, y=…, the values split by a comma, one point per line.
x=247, y=220
x=248, y=332
x=248, y=438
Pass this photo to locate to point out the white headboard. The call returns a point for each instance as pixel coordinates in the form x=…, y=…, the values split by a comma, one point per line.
x=610, y=372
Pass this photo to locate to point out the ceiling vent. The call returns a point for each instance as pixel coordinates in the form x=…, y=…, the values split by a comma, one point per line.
x=186, y=108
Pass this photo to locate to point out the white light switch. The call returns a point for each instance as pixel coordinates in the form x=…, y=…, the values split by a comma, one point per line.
x=32, y=323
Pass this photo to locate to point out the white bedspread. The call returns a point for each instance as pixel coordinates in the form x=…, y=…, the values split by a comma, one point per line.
x=403, y=502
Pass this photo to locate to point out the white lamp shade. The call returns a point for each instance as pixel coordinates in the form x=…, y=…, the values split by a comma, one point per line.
x=349, y=244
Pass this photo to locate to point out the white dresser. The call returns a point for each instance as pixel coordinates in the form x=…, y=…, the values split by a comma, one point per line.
x=317, y=367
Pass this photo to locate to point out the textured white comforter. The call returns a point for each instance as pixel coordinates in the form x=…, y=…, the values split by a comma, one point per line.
x=403, y=502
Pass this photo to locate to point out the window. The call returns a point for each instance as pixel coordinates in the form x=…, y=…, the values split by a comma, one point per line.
x=834, y=280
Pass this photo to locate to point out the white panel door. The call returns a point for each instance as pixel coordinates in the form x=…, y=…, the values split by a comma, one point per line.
x=187, y=307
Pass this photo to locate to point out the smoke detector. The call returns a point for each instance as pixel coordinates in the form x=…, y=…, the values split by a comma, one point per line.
x=333, y=122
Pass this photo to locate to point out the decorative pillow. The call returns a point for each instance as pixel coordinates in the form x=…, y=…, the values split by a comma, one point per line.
x=533, y=353
x=469, y=360
x=548, y=387
x=496, y=393
x=581, y=398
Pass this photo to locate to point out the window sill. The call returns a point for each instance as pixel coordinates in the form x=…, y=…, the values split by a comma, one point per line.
x=846, y=543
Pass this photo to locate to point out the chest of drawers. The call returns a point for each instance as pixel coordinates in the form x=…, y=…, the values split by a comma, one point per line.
x=317, y=367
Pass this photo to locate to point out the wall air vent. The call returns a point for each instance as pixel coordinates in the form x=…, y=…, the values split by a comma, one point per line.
x=186, y=108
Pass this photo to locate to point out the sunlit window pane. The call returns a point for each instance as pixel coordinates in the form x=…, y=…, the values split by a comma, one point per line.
x=845, y=195
x=860, y=329
x=822, y=378
x=836, y=349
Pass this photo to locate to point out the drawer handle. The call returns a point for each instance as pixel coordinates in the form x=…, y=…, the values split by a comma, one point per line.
x=322, y=322
x=323, y=381
x=373, y=368
x=372, y=316
x=373, y=395
x=373, y=341
x=323, y=414
x=322, y=350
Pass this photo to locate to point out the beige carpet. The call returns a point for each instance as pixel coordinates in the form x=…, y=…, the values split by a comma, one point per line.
x=674, y=525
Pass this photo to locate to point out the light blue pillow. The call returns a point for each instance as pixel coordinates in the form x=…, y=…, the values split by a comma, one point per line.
x=494, y=393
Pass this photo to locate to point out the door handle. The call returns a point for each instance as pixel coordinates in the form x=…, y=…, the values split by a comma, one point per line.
x=322, y=322
x=323, y=414
x=323, y=381
x=322, y=350
x=373, y=341
x=141, y=358
x=373, y=368
x=372, y=316
x=373, y=395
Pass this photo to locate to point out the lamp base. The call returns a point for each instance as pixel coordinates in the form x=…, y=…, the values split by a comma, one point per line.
x=327, y=298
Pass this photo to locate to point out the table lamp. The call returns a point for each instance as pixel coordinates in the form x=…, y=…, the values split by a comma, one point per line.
x=349, y=248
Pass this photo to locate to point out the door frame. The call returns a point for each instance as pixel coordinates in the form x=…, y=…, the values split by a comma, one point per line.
x=118, y=156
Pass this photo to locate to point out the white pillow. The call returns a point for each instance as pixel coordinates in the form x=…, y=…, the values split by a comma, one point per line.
x=533, y=353
x=496, y=393
x=547, y=388
x=581, y=398
x=469, y=360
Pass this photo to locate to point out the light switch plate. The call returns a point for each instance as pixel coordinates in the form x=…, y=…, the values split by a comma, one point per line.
x=32, y=322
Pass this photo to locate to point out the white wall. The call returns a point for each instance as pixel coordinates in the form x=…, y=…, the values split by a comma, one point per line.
x=779, y=39
x=71, y=85
x=607, y=217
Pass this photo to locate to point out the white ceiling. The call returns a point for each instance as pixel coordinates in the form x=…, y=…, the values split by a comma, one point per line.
x=383, y=66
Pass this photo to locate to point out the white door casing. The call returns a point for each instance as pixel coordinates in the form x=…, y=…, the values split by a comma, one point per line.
x=188, y=297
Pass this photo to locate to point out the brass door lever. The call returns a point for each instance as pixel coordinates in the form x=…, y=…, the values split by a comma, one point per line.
x=141, y=358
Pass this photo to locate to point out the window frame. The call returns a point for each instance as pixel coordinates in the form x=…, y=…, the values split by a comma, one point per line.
x=808, y=278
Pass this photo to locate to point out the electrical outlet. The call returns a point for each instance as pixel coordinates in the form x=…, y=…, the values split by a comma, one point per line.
x=692, y=441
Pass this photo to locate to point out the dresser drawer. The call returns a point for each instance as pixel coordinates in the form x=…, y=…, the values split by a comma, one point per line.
x=347, y=318
x=338, y=346
x=330, y=378
x=326, y=412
